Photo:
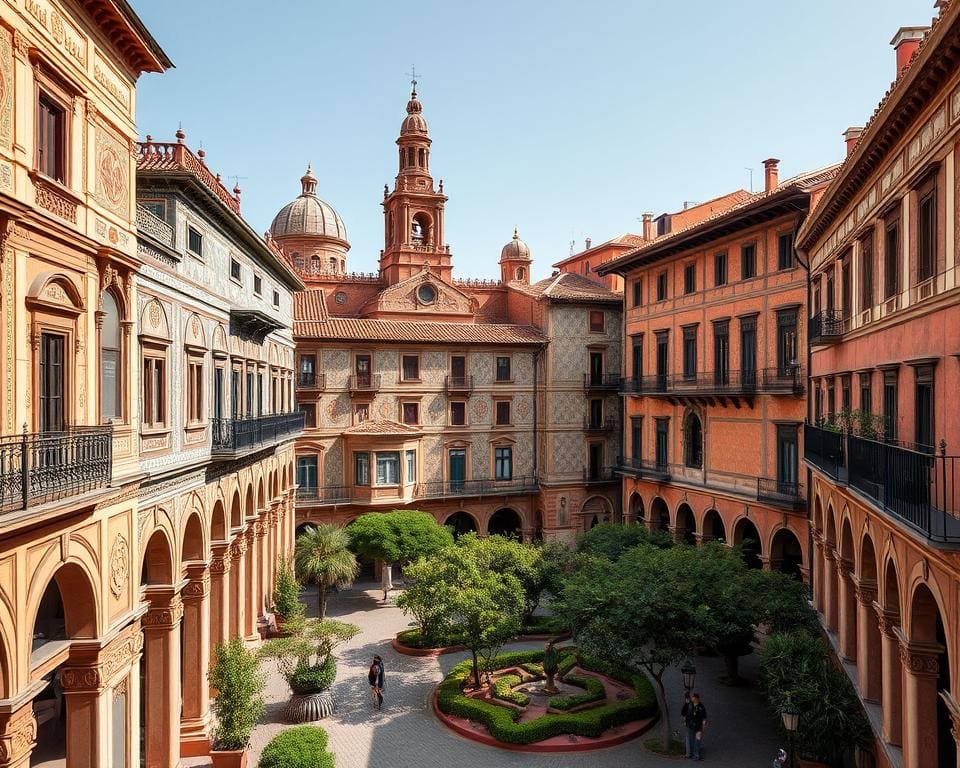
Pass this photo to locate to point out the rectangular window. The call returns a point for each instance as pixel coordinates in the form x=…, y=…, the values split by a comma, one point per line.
x=831, y=400
x=596, y=321
x=637, y=358
x=194, y=242
x=720, y=268
x=721, y=352
x=662, y=286
x=748, y=350
x=690, y=278
x=257, y=285
x=458, y=413
x=411, y=368
x=923, y=399
x=866, y=272
x=361, y=469
x=503, y=463
x=748, y=261
x=307, y=471
x=52, y=382
x=235, y=394
x=361, y=413
x=927, y=237
x=636, y=436
x=194, y=390
x=690, y=352
x=276, y=299
x=250, y=394
x=787, y=359
x=846, y=288
x=218, y=374
x=638, y=292
x=596, y=368
x=890, y=403
x=866, y=393
x=457, y=468
x=503, y=412
x=154, y=392
x=594, y=461
x=411, y=413
x=662, y=359
x=503, y=369
x=846, y=396
x=817, y=403
x=661, y=447
x=596, y=413
x=411, y=467
x=788, y=459
x=458, y=370
x=388, y=468
x=891, y=257
x=785, y=254
x=51, y=138
x=235, y=270
x=309, y=414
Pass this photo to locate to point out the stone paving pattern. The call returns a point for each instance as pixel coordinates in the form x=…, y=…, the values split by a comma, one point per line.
x=740, y=731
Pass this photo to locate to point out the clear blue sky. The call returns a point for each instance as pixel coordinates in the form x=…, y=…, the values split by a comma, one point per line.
x=568, y=119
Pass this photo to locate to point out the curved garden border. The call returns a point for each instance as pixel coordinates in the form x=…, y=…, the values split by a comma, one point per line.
x=409, y=650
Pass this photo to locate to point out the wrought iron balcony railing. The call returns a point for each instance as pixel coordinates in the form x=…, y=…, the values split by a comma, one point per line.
x=826, y=327
x=461, y=384
x=823, y=449
x=447, y=488
x=781, y=492
x=36, y=468
x=360, y=383
x=598, y=474
x=599, y=425
x=307, y=380
x=327, y=495
x=643, y=467
x=233, y=436
x=601, y=380
x=788, y=380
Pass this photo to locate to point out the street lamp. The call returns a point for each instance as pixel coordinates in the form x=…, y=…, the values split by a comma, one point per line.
x=791, y=719
x=689, y=673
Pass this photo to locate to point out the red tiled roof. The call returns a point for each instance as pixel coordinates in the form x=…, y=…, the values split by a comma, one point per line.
x=381, y=427
x=627, y=239
x=569, y=286
x=416, y=331
x=309, y=305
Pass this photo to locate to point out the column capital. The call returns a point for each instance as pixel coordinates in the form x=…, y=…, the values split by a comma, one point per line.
x=198, y=585
x=165, y=612
x=887, y=620
x=261, y=528
x=18, y=732
x=220, y=558
x=844, y=566
x=239, y=547
x=866, y=590
x=954, y=709
x=921, y=659
x=829, y=553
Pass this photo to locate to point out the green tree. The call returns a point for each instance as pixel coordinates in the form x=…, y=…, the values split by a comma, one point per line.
x=612, y=541
x=237, y=704
x=286, y=593
x=322, y=554
x=304, y=655
x=506, y=555
x=400, y=536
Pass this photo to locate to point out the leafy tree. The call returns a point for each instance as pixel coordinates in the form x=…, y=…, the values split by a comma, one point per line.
x=426, y=597
x=612, y=541
x=506, y=555
x=286, y=593
x=400, y=536
x=237, y=704
x=322, y=554
x=305, y=655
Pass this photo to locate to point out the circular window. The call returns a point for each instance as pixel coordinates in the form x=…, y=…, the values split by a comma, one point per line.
x=340, y=297
x=427, y=294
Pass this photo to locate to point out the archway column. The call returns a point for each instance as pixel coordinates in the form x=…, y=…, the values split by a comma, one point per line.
x=81, y=680
x=220, y=562
x=766, y=562
x=262, y=531
x=848, y=610
x=921, y=668
x=891, y=700
x=869, y=652
x=830, y=587
x=238, y=583
x=195, y=716
x=819, y=557
x=18, y=734
x=162, y=694
x=249, y=591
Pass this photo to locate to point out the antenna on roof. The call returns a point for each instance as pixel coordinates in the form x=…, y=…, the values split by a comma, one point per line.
x=751, y=177
x=573, y=247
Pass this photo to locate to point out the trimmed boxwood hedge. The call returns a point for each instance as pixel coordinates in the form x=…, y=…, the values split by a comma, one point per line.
x=503, y=690
x=302, y=747
x=502, y=723
x=594, y=691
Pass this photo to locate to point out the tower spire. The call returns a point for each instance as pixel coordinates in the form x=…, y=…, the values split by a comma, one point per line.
x=412, y=74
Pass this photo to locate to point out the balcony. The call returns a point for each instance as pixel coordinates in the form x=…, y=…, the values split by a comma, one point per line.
x=825, y=327
x=452, y=489
x=36, y=468
x=234, y=437
x=598, y=474
x=601, y=381
x=716, y=387
x=364, y=384
x=327, y=496
x=823, y=450
x=458, y=385
x=781, y=493
x=644, y=468
x=310, y=381
x=598, y=426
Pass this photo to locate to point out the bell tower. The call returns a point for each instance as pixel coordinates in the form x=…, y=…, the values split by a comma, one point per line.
x=413, y=211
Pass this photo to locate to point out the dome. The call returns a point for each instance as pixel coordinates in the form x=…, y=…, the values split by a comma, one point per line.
x=308, y=215
x=515, y=250
x=414, y=122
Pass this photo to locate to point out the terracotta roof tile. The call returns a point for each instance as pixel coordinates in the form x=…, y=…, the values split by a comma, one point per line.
x=416, y=331
x=569, y=286
x=381, y=427
x=309, y=305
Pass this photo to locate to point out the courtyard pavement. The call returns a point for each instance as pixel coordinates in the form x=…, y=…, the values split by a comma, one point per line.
x=740, y=731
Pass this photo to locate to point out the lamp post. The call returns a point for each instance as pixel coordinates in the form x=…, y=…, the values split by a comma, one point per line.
x=689, y=673
x=791, y=719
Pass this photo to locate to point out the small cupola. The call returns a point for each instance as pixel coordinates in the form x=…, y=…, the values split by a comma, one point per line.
x=515, y=261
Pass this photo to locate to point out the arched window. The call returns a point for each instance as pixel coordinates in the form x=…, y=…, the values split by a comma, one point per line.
x=333, y=264
x=402, y=156
x=410, y=160
x=315, y=263
x=111, y=361
x=520, y=273
x=422, y=159
x=693, y=442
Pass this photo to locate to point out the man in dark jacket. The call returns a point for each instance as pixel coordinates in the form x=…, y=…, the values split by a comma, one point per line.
x=695, y=718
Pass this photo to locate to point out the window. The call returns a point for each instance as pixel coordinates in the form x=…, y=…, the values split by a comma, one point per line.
x=361, y=413
x=596, y=413
x=594, y=461
x=818, y=403
x=748, y=261
x=154, y=392
x=693, y=442
x=235, y=396
x=661, y=447
x=866, y=393
x=846, y=396
x=831, y=400
x=786, y=342
x=662, y=286
x=720, y=268
x=503, y=463
x=637, y=358
x=690, y=352
x=586, y=268
x=785, y=254
x=411, y=413
x=503, y=412
x=923, y=399
x=690, y=278
x=721, y=352
x=309, y=414
x=846, y=288
x=249, y=390
x=458, y=370
x=503, y=369
x=596, y=368
x=308, y=367
x=194, y=389
x=307, y=471
x=51, y=138
x=891, y=257
x=388, y=468
x=194, y=242
x=53, y=372
x=636, y=436
x=235, y=270
x=157, y=207
x=361, y=469
x=257, y=285
x=890, y=403
x=111, y=375
x=457, y=468
x=748, y=349
x=927, y=237
x=411, y=368
x=458, y=413
x=662, y=359
x=638, y=292
x=411, y=467
x=276, y=299
x=866, y=272
x=218, y=375
x=788, y=459
x=596, y=321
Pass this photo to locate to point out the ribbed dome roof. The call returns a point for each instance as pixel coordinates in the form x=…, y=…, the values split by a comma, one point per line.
x=308, y=214
x=414, y=122
x=515, y=250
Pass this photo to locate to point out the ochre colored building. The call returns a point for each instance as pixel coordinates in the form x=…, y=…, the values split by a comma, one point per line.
x=884, y=431
x=714, y=383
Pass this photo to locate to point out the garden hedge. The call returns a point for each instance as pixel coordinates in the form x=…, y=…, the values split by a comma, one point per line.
x=593, y=691
x=302, y=747
x=502, y=723
x=503, y=690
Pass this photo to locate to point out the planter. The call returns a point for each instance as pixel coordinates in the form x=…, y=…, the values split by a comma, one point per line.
x=232, y=758
x=309, y=707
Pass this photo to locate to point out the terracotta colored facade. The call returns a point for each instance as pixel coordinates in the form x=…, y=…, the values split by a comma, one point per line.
x=884, y=332
x=713, y=389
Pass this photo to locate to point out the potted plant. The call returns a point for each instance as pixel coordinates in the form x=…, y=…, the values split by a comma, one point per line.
x=551, y=664
x=237, y=705
x=305, y=658
x=286, y=594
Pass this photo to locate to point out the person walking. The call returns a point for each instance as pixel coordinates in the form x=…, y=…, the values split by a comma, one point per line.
x=381, y=681
x=373, y=677
x=695, y=718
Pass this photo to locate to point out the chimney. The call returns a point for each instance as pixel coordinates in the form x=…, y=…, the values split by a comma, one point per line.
x=905, y=43
x=586, y=244
x=648, y=226
x=852, y=136
x=771, y=174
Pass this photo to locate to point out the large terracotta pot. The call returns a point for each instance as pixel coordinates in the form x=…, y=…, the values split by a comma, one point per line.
x=234, y=758
x=308, y=707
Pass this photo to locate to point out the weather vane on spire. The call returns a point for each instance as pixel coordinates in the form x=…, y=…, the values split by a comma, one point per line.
x=412, y=74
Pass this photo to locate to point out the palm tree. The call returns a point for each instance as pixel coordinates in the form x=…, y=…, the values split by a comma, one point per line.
x=321, y=554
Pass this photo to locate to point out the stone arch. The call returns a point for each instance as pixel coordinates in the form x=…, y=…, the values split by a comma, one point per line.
x=218, y=522
x=193, y=333
x=747, y=537
x=786, y=554
x=830, y=528
x=261, y=496
x=236, y=510
x=153, y=321
x=69, y=590
x=193, y=546
x=304, y=527
x=461, y=522
x=594, y=510
x=248, y=508
x=220, y=340
x=693, y=439
x=712, y=528
x=817, y=514
x=659, y=515
x=55, y=289
x=635, y=505
x=158, y=560
x=506, y=521
x=686, y=524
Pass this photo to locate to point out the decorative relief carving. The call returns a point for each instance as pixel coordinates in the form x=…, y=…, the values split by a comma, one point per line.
x=119, y=565
x=51, y=199
x=80, y=679
x=919, y=661
x=112, y=172
x=167, y=616
x=197, y=588
x=6, y=87
x=18, y=735
x=122, y=653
